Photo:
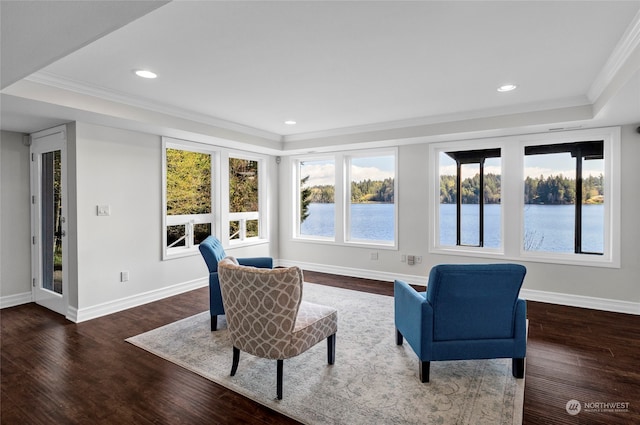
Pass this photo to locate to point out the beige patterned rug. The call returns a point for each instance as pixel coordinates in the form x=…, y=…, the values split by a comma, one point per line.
x=373, y=381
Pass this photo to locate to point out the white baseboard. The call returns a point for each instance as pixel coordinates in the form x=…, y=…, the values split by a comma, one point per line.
x=99, y=310
x=352, y=272
x=93, y=312
x=17, y=299
x=582, y=301
x=572, y=300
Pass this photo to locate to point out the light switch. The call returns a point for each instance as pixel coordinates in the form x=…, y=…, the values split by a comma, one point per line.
x=104, y=210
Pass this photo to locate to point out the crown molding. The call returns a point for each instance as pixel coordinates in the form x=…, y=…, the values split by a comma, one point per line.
x=556, y=104
x=63, y=83
x=74, y=86
x=627, y=45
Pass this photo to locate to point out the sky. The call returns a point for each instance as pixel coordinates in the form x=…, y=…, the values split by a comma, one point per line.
x=534, y=165
x=322, y=172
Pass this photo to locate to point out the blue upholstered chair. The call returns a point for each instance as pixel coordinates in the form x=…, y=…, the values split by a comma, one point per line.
x=212, y=252
x=469, y=311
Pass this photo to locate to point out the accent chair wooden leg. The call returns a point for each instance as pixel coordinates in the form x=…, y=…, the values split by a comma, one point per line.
x=236, y=360
x=214, y=322
x=399, y=338
x=279, y=378
x=331, y=349
x=517, y=368
x=424, y=371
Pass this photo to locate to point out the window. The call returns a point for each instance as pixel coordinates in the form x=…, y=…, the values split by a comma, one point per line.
x=188, y=198
x=316, y=205
x=564, y=198
x=470, y=195
x=372, y=209
x=244, y=199
x=347, y=198
x=551, y=197
x=208, y=190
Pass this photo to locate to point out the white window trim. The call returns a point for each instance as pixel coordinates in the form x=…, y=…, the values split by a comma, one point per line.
x=188, y=220
x=342, y=193
x=512, y=155
x=220, y=215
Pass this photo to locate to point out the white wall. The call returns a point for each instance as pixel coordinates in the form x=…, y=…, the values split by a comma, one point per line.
x=122, y=169
x=15, y=228
x=606, y=288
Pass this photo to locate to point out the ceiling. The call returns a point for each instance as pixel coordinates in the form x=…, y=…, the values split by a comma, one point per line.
x=353, y=71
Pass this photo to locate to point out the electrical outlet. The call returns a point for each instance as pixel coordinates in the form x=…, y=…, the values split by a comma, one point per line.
x=418, y=259
x=374, y=255
x=104, y=210
x=124, y=276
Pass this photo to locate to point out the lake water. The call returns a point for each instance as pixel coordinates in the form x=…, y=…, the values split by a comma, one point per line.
x=374, y=222
x=548, y=228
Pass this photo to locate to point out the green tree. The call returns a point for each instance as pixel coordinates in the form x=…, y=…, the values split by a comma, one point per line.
x=305, y=199
x=188, y=182
x=243, y=185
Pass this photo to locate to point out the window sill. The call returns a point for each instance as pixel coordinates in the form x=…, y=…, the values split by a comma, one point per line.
x=355, y=244
x=584, y=260
x=247, y=242
x=187, y=252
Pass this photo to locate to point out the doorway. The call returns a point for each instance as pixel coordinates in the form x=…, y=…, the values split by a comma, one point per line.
x=48, y=219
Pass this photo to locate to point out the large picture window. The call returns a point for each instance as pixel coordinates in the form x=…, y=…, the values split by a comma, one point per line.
x=564, y=198
x=347, y=198
x=371, y=212
x=551, y=197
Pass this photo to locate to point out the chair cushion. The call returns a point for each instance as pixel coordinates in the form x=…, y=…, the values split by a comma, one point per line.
x=314, y=323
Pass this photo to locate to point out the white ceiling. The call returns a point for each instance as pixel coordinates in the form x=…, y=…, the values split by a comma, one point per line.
x=335, y=67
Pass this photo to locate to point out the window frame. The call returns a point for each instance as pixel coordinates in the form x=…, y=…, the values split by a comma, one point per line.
x=512, y=193
x=243, y=217
x=575, y=147
x=342, y=197
x=188, y=220
x=297, y=189
x=348, y=160
x=220, y=213
x=470, y=157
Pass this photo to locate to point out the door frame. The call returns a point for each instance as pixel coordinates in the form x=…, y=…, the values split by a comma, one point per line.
x=42, y=142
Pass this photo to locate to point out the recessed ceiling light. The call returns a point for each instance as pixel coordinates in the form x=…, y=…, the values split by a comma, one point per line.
x=507, y=87
x=290, y=122
x=145, y=73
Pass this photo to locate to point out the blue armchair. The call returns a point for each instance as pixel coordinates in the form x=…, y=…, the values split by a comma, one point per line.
x=469, y=311
x=212, y=252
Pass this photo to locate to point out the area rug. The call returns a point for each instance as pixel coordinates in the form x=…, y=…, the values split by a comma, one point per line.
x=373, y=381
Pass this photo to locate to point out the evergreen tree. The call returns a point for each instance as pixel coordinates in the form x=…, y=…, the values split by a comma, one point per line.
x=305, y=199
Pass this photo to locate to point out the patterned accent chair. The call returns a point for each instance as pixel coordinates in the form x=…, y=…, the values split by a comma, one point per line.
x=469, y=311
x=212, y=252
x=267, y=318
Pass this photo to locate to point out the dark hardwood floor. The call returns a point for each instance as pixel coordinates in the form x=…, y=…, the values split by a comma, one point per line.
x=57, y=372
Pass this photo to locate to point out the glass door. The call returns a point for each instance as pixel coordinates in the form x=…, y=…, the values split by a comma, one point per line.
x=48, y=199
